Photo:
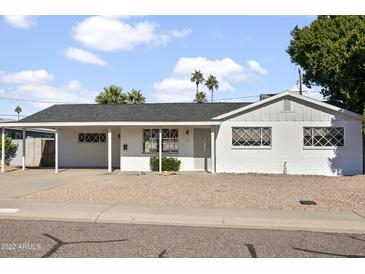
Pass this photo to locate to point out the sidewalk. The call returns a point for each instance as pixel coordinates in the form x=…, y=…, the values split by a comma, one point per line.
x=341, y=222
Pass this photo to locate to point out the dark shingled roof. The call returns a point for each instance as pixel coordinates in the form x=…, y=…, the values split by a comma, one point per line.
x=163, y=112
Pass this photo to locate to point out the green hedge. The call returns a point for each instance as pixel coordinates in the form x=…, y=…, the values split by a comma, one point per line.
x=168, y=164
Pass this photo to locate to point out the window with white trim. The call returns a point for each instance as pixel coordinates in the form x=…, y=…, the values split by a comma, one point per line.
x=251, y=136
x=170, y=140
x=323, y=136
x=92, y=137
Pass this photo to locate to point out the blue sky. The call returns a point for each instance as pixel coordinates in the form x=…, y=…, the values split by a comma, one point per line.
x=71, y=58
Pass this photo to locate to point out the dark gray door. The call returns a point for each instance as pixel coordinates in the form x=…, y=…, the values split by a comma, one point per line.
x=201, y=148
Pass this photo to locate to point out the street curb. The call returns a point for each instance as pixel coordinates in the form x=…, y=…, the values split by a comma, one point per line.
x=333, y=222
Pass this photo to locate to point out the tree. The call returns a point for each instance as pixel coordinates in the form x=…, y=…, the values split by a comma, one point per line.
x=111, y=95
x=10, y=149
x=135, y=97
x=18, y=109
x=332, y=53
x=212, y=84
x=200, y=97
x=198, y=78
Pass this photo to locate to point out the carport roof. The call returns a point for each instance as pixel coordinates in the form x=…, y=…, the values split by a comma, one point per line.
x=159, y=112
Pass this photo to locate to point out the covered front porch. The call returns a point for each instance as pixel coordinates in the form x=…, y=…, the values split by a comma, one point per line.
x=130, y=147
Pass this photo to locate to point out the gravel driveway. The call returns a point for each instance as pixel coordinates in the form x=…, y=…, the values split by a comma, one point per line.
x=219, y=190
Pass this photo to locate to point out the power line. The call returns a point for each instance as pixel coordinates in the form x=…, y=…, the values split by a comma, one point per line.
x=242, y=97
x=36, y=101
x=16, y=115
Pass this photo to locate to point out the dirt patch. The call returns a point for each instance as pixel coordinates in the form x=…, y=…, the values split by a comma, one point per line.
x=219, y=190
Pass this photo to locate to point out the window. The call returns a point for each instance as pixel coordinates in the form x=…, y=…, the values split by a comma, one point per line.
x=150, y=140
x=323, y=136
x=92, y=137
x=170, y=140
x=251, y=136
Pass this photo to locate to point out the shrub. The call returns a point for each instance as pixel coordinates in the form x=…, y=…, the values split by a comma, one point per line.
x=168, y=164
x=10, y=149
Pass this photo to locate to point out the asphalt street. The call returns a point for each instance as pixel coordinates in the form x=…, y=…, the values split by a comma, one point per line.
x=24, y=238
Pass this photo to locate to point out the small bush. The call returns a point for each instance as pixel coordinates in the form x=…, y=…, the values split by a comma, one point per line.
x=168, y=164
x=10, y=149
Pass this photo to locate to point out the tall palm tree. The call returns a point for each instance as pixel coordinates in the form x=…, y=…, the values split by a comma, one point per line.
x=135, y=97
x=18, y=109
x=198, y=78
x=200, y=97
x=212, y=84
x=111, y=95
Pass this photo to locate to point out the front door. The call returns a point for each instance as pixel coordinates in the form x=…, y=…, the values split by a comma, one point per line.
x=201, y=148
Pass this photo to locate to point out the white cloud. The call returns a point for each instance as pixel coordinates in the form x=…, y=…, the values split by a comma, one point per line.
x=84, y=56
x=254, y=66
x=110, y=34
x=178, y=86
x=180, y=33
x=44, y=91
x=26, y=76
x=73, y=85
x=20, y=21
x=174, y=90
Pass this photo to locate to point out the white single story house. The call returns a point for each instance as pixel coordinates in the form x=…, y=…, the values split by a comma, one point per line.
x=286, y=133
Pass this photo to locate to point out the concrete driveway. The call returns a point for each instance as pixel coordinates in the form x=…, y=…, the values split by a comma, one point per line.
x=18, y=183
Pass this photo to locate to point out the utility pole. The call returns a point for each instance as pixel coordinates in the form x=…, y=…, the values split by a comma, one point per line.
x=300, y=82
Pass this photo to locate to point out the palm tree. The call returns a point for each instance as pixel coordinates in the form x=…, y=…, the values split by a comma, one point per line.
x=212, y=84
x=135, y=97
x=18, y=109
x=111, y=95
x=200, y=97
x=198, y=78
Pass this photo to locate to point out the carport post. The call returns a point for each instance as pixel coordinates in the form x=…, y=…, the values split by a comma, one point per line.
x=160, y=151
x=212, y=150
x=120, y=148
x=109, y=150
x=3, y=151
x=24, y=136
x=56, y=151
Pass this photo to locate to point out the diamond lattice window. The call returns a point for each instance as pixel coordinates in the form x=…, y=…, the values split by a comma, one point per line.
x=251, y=136
x=92, y=137
x=170, y=140
x=323, y=136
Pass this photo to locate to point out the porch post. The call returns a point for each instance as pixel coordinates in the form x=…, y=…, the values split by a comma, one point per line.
x=56, y=151
x=212, y=143
x=3, y=151
x=24, y=136
x=120, y=148
x=160, y=151
x=109, y=150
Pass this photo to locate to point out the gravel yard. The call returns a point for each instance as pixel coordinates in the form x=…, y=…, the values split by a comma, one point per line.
x=205, y=190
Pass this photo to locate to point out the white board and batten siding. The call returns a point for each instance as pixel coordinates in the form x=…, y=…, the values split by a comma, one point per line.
x=287, y=142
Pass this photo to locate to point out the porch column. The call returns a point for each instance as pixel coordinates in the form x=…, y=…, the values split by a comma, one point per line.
x=3, y=151
x=160, y=151
x=56, y=151
x=109, y=150
x=24, y=136
x=120, y=148
x=212, y=149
